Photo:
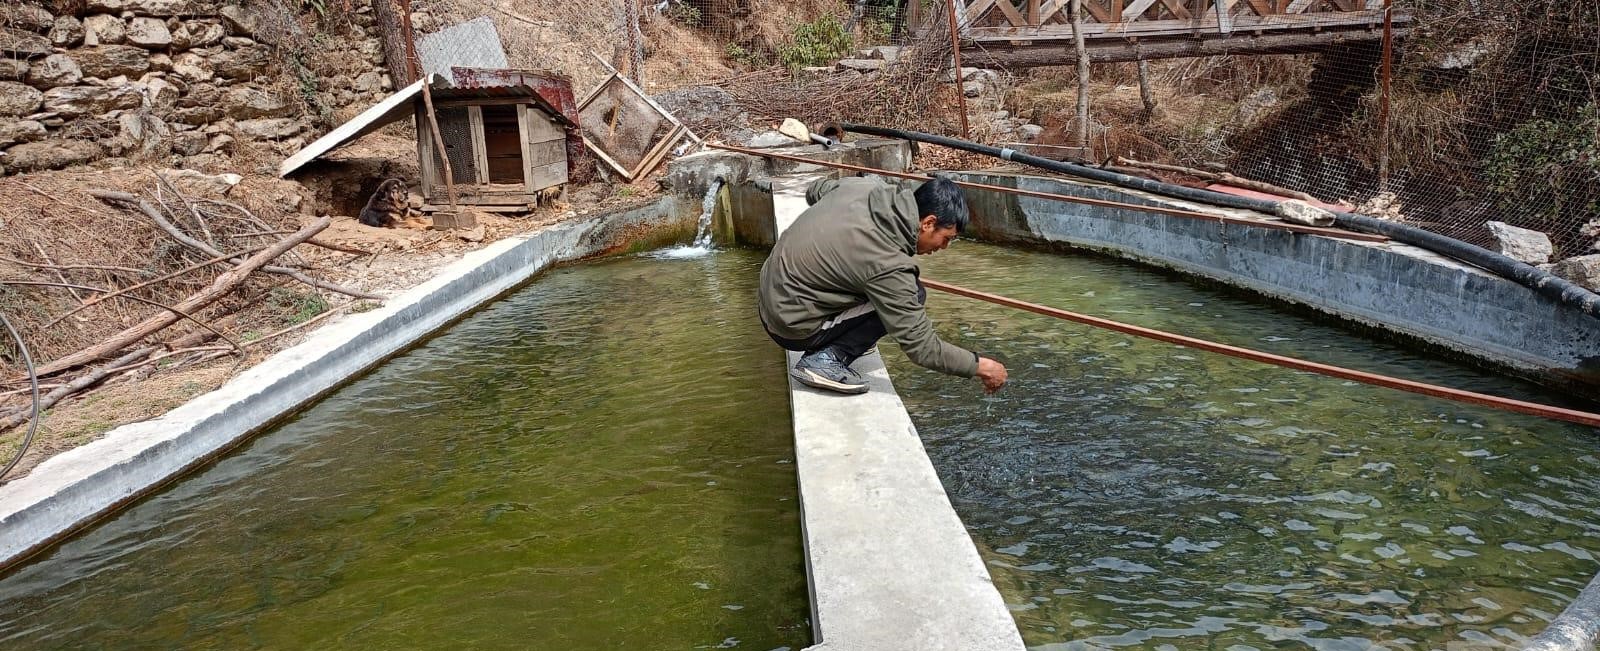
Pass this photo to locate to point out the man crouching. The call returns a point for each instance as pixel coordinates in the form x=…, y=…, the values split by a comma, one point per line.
x=843, y=275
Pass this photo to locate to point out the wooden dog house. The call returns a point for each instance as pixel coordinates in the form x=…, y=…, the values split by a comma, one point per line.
x=507, y=145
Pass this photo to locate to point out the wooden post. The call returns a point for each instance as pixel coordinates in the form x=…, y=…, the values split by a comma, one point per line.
x=961, y=91
x=1083, y=76
x=1383, y=100
x=1145, y=94
x=438, y=143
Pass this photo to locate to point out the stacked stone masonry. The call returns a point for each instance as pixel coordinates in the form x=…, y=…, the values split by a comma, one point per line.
x=181, y=82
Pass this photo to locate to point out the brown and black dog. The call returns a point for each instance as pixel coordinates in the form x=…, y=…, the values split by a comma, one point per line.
x=390, y=207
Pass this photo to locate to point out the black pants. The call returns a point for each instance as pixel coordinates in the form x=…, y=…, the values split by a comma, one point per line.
x=854, y=331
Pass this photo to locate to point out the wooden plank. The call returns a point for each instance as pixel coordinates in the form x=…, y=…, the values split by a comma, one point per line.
x=1094, y=9
x=525, y=120
x=637, y=91
x=1298, y=6
x=545, y=153
x=1264, y=7
x=991, y=36
x=1177, y=9
x=654, y=156
x=975, y=11
x=480, y=148
x=545, y=176
x=1116, y=11
x=1113, y=50
x=1033, y=12
x=1012, y=16
x=425, y=156
x=1136, y=9
x=541, y=127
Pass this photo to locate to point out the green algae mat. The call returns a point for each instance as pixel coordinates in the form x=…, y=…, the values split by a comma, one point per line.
x=602, y=460
x=1134, y=494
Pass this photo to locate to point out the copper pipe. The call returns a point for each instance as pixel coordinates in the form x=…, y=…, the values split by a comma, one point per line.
x=961, y=91
x=1458, y=395
x=1175, y=212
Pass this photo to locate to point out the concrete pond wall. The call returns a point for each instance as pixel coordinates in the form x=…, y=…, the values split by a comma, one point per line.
x=76, y=488
x=1390, y=287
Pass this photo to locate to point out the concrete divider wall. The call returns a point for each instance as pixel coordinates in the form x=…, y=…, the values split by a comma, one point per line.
x=73, y=489
x=1395, y=287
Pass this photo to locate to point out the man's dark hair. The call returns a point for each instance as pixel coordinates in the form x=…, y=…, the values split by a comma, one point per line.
x=942, y=199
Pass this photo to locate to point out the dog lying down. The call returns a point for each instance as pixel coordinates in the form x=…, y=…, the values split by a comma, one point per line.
x=390, y=207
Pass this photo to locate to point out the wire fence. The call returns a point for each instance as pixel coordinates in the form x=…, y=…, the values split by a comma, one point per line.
x=1488, y=111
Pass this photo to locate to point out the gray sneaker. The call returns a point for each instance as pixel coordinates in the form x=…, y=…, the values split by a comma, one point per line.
x=826, y=369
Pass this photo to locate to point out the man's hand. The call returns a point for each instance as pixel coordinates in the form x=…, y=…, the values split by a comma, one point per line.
x=992, y=374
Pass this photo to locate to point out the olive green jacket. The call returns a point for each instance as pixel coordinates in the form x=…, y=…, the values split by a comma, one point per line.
x=855, y=245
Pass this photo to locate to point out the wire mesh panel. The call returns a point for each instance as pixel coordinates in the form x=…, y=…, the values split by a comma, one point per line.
x=455, y=129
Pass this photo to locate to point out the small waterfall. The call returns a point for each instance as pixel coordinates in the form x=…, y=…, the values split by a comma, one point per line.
x=702, y=234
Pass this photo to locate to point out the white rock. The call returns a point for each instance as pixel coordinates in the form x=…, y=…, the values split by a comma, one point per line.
x=1583, y=270
x=1521, y=244
x=192, y=182
x=192, y=67
x=149, y=33
x=102, y=29
x=66, y=32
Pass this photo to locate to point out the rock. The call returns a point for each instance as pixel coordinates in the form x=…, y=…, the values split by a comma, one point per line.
x=221, y=142
x=116, y=82
x=770, y=139
x=138, y=134
x=890, y=53
x=160, y=62
x=160, y=95
x=55, y=70
x=207, y=95
x=101, y=29
x=18, y=100
x=196, y=33
x=197, y=115
x=267, y=128
x=243, y=64
x=1529, y=246
x=193, y=183
x=81, y=101
x=861, y=65
x=24, y=15
x=248, y=103
x=190, y=143
x=107, y=61
x=50, y=155
x=154, y=7
x=972, y=88
x=23, y=44
x=369, y=82
x=236, y=42
x=192, y=67
x=1029, y=132
x=17, y=131
x=66, y=32
x=1583, y=270
x=149, y=33
x=241, y=21
x=13, y=69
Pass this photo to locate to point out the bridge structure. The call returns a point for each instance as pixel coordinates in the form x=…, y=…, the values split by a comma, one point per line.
x=1031, y=33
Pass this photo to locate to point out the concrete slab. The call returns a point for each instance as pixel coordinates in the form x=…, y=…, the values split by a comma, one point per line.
x=73, y=489
x=889, y=562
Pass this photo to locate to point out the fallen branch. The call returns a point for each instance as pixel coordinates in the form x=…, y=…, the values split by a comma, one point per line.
x=87, y=380
x=198, y=218
x=178, y=234
x=199, y=265
x=71, y=267
x=175, y=310
x=267, y=230
x=223, y=284
x=61, y=276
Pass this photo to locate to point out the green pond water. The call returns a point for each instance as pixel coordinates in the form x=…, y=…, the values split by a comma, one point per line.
x=1129, y=493
x=602, y=460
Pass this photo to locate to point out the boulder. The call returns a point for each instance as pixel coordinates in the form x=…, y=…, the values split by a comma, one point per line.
x=18, y=131
x=160, y=62
x=49, y=155
x=241, y=21
x=1030, y=133
x=190, y=143
x=248, y=103
x=192, y=67
x=196, y=115
x=55, y=70
x=770, y=139
x=370, y=81
x=138, y=135
x=107, y=61
x=154, y=7
x=13, y=69
x=23, y=44
x=267, y=128
x=243, y=64
x=972, y=88
x=101, y=29
x=66, y=32
x=1521, y=244
x=149, y=33
x=1583, y=270
x=197, y=33
x=192, y=183
x=26, y=15
x=221, y=142
x=861, y=65
x=18, y=99
x=81, y=101
x=160, y=95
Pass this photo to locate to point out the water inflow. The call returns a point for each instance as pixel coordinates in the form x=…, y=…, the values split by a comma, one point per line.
x=600, y=461
x=702, y=234
x=1128, y=493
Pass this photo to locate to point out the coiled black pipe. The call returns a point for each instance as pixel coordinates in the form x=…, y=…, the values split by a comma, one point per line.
x=1538, y=280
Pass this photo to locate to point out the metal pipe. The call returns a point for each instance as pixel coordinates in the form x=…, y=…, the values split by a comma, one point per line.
x=1176, y=212
x=1458, y=395
x=1540, y=281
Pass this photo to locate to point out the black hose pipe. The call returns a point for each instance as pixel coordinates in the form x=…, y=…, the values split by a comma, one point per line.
x=1543, y=282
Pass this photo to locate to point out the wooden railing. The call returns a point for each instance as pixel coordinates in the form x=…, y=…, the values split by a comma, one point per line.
x=986, y=20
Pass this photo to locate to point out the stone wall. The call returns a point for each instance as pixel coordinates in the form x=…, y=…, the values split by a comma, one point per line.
x=180, y=82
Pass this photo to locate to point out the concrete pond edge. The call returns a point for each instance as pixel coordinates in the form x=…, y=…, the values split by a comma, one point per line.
x=75, y=489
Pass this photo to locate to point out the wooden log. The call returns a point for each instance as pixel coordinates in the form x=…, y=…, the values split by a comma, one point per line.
x=218, y=288
x=1103, y=52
